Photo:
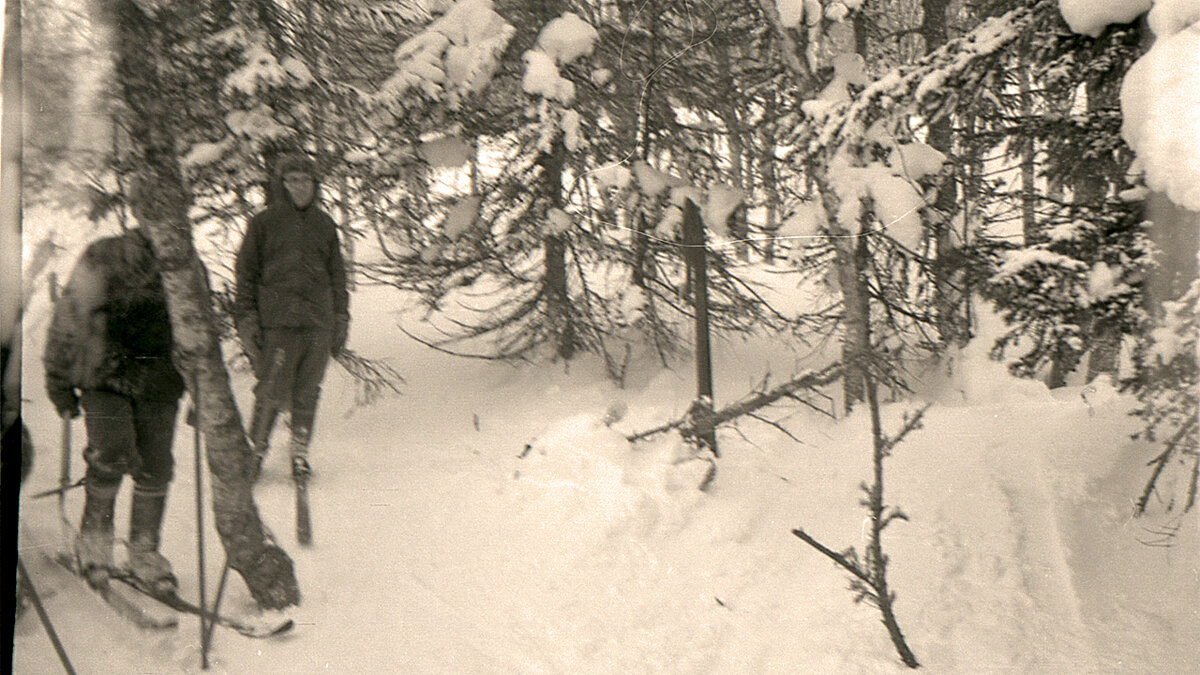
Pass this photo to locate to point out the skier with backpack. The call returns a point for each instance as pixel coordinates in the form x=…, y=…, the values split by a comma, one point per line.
x=108, y=353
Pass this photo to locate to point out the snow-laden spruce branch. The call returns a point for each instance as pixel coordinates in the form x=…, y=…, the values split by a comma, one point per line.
x=932, y=84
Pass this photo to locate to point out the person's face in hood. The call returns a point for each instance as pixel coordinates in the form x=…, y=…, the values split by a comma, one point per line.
x=300, y=188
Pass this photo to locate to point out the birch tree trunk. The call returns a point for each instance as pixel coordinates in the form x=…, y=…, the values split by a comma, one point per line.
x=160, y=202
x=852, y=261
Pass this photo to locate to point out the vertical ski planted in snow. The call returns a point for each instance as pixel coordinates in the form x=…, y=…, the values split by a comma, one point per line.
x=303, y=519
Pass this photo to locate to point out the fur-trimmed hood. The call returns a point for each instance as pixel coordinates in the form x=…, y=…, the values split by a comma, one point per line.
x=286, y=163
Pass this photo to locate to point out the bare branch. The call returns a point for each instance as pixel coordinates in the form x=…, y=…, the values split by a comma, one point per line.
x=836, y=557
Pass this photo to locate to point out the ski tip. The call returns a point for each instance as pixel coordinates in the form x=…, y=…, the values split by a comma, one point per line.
x=265, y=626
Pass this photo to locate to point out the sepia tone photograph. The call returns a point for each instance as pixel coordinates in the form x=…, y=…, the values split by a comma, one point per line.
x=601, y=336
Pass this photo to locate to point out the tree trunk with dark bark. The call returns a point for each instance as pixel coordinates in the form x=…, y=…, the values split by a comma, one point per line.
x=558, y=304
x=953, y=324
x=1106, y=334
x=160, y=202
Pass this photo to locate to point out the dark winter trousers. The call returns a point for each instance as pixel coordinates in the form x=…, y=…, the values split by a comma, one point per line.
x=129, y=436
x=289, y=378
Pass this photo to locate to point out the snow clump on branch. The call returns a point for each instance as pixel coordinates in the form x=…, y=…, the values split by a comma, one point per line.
x=453, y=58
x=568, y=38
x=561, y=41
x=897, y=204
x=1089, y=17
x=794, y=13
x=1160, y=101
x=1160, y=95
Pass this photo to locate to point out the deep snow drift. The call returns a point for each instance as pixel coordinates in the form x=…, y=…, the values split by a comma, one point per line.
x=443, y=547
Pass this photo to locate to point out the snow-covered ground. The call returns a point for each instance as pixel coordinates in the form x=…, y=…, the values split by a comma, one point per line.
x=439, y=549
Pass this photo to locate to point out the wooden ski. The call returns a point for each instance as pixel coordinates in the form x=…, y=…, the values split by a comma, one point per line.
x=303, y=519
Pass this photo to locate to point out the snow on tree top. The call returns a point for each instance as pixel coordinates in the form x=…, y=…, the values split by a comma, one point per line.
x=1169, y=17
x=1091, y=17
x=1160, y=102
x=567, y=38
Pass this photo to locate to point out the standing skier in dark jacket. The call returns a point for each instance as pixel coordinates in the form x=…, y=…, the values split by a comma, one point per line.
x=292, y=308
x=109, y=349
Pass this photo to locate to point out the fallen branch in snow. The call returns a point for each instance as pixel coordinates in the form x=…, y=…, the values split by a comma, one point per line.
x=692, y=424
x=701, y=420
x=1164, y=536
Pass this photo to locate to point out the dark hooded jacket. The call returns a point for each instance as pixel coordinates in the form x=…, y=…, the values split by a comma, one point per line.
x=290, y=272
x=110, y=330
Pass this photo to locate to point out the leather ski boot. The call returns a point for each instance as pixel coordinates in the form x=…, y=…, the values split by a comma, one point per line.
x=94, y=545
x=145, y=525
x=299, y=450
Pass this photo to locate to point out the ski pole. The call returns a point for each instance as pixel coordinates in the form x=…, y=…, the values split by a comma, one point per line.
x=44, y=617
x=200, y=517
x=60, y=491
x=64, y=478
x=216, y=610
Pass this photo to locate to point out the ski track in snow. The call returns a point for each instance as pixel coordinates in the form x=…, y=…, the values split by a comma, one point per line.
x=1043, y=565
